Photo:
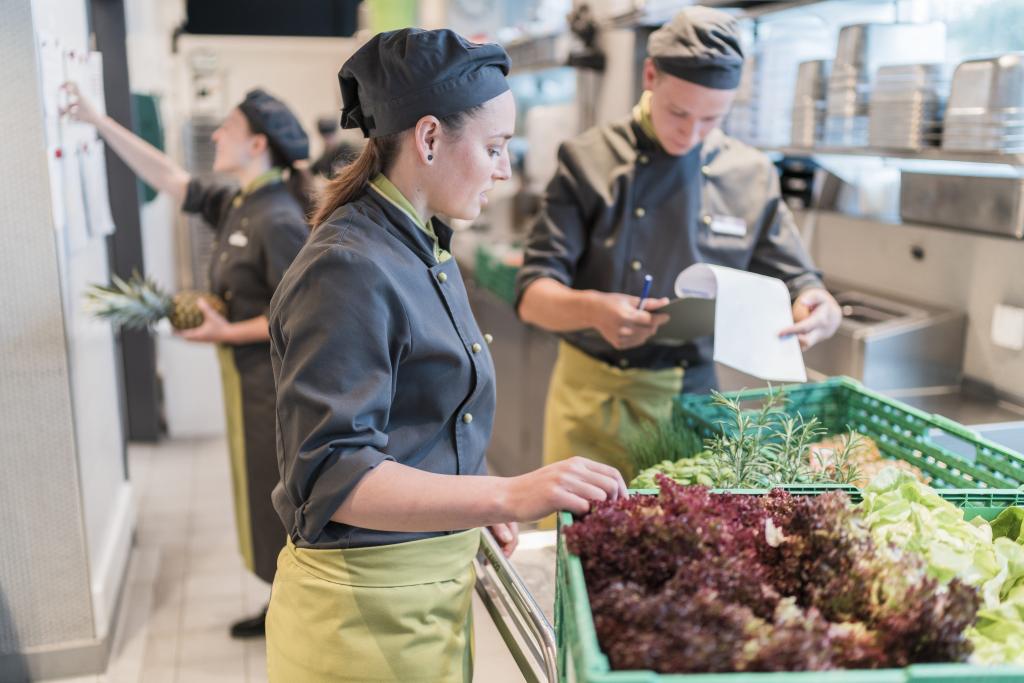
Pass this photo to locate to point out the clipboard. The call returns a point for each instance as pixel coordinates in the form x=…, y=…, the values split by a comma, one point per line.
x=689, y=319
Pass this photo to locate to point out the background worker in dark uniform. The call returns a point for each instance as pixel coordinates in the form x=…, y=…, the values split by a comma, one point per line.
x=653, y=194
x=336, y=154
x=260, y=227
x=386, y=385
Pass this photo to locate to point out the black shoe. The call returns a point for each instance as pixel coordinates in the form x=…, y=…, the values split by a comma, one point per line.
x=253, y=627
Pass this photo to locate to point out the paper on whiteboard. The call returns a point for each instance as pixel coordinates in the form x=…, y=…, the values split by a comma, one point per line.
x=77, y=226
x=51, y=76
x=92, y=81
x=750, y=311
x=93, y=169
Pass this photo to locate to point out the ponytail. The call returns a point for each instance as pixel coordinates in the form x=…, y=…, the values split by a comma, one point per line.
x=350, y=181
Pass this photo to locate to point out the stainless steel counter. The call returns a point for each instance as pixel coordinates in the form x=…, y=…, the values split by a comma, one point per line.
x=971, y=410
x=993, y=417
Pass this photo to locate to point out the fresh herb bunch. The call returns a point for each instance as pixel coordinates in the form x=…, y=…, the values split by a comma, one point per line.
x=690, y=581
x=667, y=439
x=768, y=447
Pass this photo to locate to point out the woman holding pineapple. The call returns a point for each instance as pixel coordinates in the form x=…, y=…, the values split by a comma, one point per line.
x=386, y=387
x=260, y=227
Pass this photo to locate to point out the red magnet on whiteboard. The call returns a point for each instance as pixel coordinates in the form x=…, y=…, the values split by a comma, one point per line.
x=57, y=153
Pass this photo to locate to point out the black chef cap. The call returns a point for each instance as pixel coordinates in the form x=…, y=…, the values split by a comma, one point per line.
x=326, y=125
x=700, y=45
x=398, y=77
x=268, y=115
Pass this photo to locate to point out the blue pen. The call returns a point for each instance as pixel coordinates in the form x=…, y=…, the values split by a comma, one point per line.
x=648, y=279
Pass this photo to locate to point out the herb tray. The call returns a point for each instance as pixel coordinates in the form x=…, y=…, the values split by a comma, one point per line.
x=900, y=431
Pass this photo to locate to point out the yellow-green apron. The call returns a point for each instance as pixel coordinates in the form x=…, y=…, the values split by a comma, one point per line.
x=592, y=407
x=399, y=612
x=231, y=384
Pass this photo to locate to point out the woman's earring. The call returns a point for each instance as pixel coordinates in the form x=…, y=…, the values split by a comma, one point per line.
x=430, y=157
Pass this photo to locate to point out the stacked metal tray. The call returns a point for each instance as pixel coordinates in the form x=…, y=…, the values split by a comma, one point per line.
x=808, y=124
x=907, y=106
x=861, y=51
x=985, y=112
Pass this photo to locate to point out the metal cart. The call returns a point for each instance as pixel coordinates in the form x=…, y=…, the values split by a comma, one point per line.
x=505, y=589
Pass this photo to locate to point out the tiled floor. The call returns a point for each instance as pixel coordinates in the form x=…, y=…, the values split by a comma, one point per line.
x=186, y=581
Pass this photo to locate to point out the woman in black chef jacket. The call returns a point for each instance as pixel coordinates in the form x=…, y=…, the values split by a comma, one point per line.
x=260, y=227
x=386, y=387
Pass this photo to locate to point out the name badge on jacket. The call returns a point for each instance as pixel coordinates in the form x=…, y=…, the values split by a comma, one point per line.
x=238, y=239
x=728, y=225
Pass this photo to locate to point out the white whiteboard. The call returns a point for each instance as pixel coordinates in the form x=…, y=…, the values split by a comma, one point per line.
x=78, y=183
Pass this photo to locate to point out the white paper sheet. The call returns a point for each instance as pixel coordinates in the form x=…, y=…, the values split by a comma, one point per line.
x=77, y=227
x=93, y=170
x=750, y=311
x=51, y=75
x=91, y=82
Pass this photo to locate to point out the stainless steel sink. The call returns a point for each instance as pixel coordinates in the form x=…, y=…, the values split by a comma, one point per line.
x=889, y=344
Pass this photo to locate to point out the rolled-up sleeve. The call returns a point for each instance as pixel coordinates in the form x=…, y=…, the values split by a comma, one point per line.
x=337, y=335
x=780, y=252
x=559, y=233
x=209, y=200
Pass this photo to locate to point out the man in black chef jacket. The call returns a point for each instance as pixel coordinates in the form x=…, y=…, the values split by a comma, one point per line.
x=652, y=194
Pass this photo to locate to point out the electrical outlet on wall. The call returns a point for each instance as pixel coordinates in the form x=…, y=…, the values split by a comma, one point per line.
x=1008, y=327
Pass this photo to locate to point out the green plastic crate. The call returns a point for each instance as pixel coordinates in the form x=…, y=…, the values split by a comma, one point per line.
x=580, y=657
x=497, y=277
x=900, y=431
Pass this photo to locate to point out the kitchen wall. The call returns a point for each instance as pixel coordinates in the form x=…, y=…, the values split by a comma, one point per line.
x=960, y=270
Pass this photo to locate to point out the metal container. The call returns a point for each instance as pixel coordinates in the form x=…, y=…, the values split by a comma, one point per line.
x=992, y=205
x=889, y=344
x=808, y=123
x=986, y=105
x=863, y=49
x=812, y=79
x=907, y=105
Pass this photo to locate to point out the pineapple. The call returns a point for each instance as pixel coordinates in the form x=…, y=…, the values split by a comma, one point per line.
x=139, y=303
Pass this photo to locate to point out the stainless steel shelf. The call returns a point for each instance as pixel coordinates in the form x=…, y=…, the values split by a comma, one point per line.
x=935, y=154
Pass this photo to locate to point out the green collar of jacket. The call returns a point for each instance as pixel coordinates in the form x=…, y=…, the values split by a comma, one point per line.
x=642, y=115
x=273, y=175
x=386, y=189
